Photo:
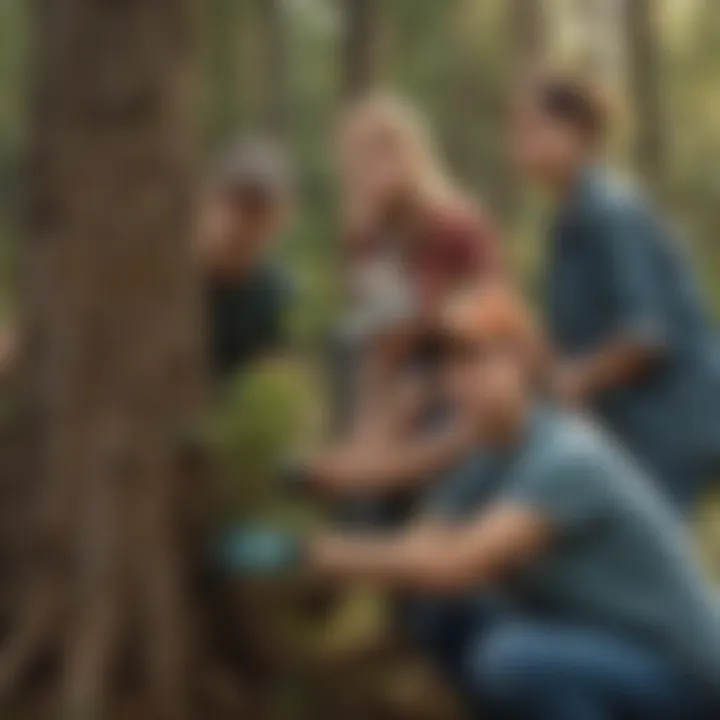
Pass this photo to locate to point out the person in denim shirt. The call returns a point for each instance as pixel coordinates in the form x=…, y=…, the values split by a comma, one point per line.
x=631, y=333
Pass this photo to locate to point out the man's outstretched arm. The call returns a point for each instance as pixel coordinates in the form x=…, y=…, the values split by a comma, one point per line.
x=431, y=557
x=381, y=467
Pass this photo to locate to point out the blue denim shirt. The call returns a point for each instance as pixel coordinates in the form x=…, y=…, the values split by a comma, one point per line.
x=247, y=318
x=614, y=268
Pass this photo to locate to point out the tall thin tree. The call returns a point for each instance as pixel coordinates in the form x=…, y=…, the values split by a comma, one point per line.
x=224, y=88
x=644, y=60
x=360, y=24
x=275, y=62
x=599, y=30
x=529, y=31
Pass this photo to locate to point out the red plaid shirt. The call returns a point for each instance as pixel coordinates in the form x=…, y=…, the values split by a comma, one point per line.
x=451, y=247
x=455, y=247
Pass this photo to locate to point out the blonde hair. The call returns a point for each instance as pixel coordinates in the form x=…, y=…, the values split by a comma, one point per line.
x=400, y=123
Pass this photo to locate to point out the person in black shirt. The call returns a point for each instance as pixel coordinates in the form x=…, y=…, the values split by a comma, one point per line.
x=247, y=293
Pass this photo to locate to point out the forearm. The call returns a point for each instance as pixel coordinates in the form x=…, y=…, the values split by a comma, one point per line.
x=431, y=556
x=387, y=418
x=386, y=466
x=418, y=459
x=397, y=562
x=618, y=362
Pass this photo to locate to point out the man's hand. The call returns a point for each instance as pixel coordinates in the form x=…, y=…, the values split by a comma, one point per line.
x=617, y=363
x=372, y=467
x=342, y=470
x=347, y=469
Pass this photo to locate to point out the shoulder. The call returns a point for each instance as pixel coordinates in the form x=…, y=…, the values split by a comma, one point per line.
x=571, y=443
x=616, y=219
x=570, y=478
x=609, y=194
x=463, y=231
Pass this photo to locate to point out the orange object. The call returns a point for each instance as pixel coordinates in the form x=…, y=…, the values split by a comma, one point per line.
x=492, y=316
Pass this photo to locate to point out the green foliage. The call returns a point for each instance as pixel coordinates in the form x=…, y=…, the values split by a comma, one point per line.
x=257, y=418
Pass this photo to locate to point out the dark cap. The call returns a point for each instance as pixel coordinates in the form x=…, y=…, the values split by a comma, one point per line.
x=254, y=165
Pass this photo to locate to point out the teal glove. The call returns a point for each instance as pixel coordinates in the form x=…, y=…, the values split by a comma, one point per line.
x=256, y=551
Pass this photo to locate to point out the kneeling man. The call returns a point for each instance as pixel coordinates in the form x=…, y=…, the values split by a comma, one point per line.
x=599, y=609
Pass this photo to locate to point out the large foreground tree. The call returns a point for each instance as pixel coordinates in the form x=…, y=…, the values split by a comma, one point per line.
x=113, y=363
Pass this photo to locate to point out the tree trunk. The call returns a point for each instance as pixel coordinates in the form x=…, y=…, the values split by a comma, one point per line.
x=529, y=31
x=644, y=70
x=113, y=328
x=276, y=81
x=527, y=27
x=361, y=31
x=225, y=89
x=600, y=30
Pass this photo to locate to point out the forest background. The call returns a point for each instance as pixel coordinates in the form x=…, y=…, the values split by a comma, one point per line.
x=82, y=79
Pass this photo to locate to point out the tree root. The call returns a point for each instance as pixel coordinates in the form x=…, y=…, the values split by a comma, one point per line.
x=26, y=644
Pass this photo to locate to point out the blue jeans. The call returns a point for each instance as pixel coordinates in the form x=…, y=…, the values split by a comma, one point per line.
x=444, y=628
x=517, y=668
x=545, y=670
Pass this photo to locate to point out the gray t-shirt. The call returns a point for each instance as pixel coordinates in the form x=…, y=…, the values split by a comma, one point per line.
x=621, y=559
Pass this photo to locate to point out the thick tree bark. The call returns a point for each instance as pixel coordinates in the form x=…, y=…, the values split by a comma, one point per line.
x=643, y=52
x=361, y=35
x=113, y=328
